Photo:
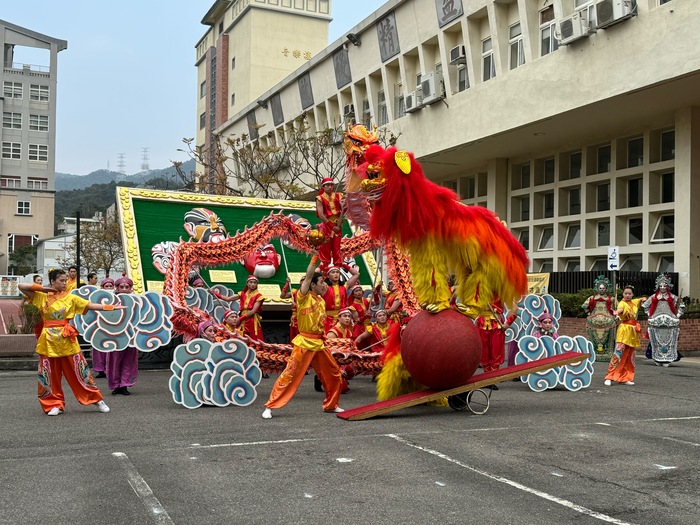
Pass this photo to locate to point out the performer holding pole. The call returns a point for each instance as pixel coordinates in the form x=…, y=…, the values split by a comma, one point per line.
x=309, y=348
x=329, y=208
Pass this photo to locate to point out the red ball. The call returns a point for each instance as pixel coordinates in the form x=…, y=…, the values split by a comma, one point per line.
x=442, y=350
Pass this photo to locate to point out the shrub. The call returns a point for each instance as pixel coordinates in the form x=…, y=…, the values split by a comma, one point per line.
x=29, y=316
x=11, y=326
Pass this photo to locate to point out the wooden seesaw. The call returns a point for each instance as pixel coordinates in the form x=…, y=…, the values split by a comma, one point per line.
x=475, y=383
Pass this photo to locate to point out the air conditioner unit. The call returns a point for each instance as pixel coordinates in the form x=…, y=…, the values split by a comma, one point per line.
x=573, y=28
x=610, y=12
x=458, y=56
x=414, y=101
x=433, y=87
x=348, y=110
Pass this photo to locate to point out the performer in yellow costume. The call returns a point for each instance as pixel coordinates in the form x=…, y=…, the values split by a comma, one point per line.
x=309, y=348
x=621, y=368
x=57, y=345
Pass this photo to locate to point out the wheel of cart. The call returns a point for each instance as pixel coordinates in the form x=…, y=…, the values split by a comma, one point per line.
x=477, y=401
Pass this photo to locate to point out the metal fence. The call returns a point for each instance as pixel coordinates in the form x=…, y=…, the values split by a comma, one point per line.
x=572, y=282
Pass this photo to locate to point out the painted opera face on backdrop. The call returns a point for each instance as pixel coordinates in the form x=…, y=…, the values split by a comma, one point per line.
x=263, y=262
x=204, y=225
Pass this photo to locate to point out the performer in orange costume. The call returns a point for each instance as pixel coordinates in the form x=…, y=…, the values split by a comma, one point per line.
x=336, y=296
x=329, y=208
x=309, y=349
x=621, y=368
x=251, y=301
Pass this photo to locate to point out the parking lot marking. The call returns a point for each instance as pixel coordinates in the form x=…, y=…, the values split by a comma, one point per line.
x=143, y=491
x=250, y=443
x=682, y=441
x=515, y=484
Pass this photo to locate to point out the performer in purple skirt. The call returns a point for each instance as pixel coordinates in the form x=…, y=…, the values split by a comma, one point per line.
x=122, y=366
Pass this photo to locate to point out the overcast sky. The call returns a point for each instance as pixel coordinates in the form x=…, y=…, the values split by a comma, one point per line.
x=127, y=80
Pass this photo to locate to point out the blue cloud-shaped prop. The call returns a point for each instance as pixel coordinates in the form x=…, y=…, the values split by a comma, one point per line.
x=202, y=299
x=572, y=377
x=530, y=308
x=218, y=374
x=145, y=323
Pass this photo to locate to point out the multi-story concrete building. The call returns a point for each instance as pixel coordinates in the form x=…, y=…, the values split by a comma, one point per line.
x=28, y=137
x=576, y=121
x=249, y=47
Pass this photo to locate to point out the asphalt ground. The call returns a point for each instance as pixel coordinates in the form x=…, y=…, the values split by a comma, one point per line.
x=619, y=454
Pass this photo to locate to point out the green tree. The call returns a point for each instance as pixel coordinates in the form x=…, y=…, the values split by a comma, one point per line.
x=100, y=246
x=23, y=260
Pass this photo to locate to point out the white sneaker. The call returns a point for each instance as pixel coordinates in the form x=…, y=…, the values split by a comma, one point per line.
x=267, y=414
x=665, y=365
x=607, y=382
x=54, y=411
x=630, y=383
x=336, y=410
x=102, y=407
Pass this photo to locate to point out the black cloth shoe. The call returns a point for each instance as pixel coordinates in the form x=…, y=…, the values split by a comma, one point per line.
x=125, y=392
x=318, y=386
x=101, y=374
x=117, y=391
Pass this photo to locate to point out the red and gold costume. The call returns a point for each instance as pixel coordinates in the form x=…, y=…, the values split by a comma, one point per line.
x=251, y=325
x=336, y=298
x=309, y=350
x=493, y=337
x=389, y=300
x=361, y=306
x=621, y=366
x=341, y=332
x=377, y=341
x=332, y=207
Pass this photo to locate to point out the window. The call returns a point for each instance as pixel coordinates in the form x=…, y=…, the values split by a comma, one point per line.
x=489, y=67
x=38, y=92
x=604, y=158
x=635, y=152
x=668, y=145
x=604, y=233
x=39, y=152
x=11, y=120
x=525, y=176
x=662, y=2
x=574, y=201
x=517, y=50
x=548, y=205
x=400, y=106
x=382, y=113
x=634, y=192
x=575, y=165
x=221, y=27
x=15, y=241
x=549, y=171
x=548, y=41
x=10, y=182
x=588, y=9
x=467, y=187
x=202, y=120
x=666, y=263
x=574, y=265
x=599, y=265
x=603, y=191
x=452, y=184
x=38, y=122
x=547, y=239
x=23, y=208
x=632, y=263
x=11, y=150
x=525, y=208
x=233, y=99
x=524, y=239
x=203, y=89
x=462, y=79
x=366, y=114
x=12, y=89
x=636, y=233
x=668, y=187
x=547, y=266
x=664, y=231
x=573, y=236
x=37, y=184
x=233, y=63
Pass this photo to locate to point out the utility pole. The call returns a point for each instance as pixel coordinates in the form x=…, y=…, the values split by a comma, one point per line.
x=144, y=159
x=121, y=165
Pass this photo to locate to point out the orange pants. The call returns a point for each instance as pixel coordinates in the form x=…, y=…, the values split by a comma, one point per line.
x=289, y=380
x=77, y=373
x=621, y=368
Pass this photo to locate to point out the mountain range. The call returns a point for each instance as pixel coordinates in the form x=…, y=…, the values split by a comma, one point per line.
x=66, y=181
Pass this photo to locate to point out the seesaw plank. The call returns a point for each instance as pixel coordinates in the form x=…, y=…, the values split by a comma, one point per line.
x=474, y=383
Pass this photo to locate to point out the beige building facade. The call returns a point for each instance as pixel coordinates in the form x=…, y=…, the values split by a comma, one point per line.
x=28, y=136
x=577, y=121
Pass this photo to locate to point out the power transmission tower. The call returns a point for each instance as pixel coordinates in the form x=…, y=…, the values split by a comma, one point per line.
x=144, y=159
x=121, y=165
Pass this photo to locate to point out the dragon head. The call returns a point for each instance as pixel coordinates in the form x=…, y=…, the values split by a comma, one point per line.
x=357, y=140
